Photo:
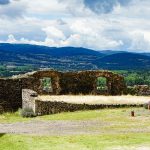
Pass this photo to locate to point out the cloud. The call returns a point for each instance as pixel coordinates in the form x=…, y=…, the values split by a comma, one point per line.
x=104, y=6
x=12, y=39
x=96, y=24
x=53, y=33
x=12, y=9
x=74, y=34
x=4, y=2
x=140, y=40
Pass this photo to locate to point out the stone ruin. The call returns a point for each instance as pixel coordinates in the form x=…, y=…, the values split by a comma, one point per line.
x=57, y=83
x=30, y=99
x=138, y=90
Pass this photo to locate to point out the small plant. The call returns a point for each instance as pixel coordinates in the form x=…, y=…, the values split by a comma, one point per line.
x=27, y=113
x=146, y=105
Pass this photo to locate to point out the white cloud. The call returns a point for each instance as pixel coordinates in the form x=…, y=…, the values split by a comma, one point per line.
x=13, y=9
x=72, y=23
x=54, y=33
x=140, y=40
x=11, y=39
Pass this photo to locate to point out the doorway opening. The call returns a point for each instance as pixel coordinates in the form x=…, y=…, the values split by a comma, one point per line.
x=102, y=87
x=46, y=83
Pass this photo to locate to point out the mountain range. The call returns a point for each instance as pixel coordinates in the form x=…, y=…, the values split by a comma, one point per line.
x=71, y=58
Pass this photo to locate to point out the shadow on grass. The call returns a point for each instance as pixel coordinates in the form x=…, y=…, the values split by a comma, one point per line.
x=2, y=134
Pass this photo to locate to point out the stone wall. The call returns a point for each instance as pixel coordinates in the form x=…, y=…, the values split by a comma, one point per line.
x=36, y=82
x=28, y=99
x=62, y=83
x=85, y=83
x=139, y=90
x=48, y=107
x=10, y=94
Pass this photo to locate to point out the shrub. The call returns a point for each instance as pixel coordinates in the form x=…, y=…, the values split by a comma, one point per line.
x=131, y=90
x=146, y=105
x=27, y=112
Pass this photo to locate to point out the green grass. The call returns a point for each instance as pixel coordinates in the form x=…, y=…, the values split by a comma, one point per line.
x=99, y=142
x=12, y=117
x=114, y=115
x=127, y=131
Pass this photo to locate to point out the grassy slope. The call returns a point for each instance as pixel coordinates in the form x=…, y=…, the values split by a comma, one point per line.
x=117, y=120
x=122, y=114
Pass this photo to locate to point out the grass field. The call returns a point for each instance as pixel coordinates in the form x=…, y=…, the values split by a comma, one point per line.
x=119, y=131
x=104, y=114
x=94, y=142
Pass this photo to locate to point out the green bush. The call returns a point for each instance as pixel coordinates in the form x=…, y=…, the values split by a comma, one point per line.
x=27, y=113
x=146, y=105
x=131, y=91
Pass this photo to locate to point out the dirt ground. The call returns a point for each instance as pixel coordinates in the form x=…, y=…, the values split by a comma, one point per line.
x=64, y=128
x=52, y=127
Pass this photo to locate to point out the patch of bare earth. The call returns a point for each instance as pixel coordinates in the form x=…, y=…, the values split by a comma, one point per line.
x=52, y=127
x=66, y=128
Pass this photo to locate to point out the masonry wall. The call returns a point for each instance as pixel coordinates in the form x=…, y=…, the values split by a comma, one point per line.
x=62, y=83
x=85, y=83
x=10, y=94
x=48, y=107
x=28, y=99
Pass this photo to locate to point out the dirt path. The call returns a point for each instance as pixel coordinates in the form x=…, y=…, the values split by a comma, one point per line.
x=39, y=127
x=52, y=127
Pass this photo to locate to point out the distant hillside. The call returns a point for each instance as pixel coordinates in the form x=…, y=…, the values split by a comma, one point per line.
x=124, y=61
x=110, y=52
x=70, y=58
x=65, y=58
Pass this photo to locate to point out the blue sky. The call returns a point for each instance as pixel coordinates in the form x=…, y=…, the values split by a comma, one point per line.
x=95, y=24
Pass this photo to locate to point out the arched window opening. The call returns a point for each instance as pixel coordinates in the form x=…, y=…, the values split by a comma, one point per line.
x=102, y=84
x=47, y=84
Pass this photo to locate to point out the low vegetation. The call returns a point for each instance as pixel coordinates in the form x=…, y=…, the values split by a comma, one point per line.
x=94, y=142
x=27, y=113
x=135, y=77
x=119, y=131
x=113, y=115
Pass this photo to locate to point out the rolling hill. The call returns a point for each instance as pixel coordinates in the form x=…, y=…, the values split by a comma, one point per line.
x=65, y=58
x=70, y=58
x=124, y=61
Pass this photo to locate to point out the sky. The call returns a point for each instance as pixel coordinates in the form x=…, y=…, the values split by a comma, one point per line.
x=94, y=24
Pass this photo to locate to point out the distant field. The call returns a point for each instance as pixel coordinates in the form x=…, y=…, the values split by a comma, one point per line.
x=90, y=99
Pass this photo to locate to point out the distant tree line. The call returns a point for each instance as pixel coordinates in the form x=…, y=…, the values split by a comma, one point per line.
x=133, y=77
x=7, y=71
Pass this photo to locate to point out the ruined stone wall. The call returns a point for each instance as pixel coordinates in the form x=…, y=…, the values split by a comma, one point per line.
x=28, y=99
x=139, y=90
x=85, y=82
x=31, y=100
x=62, y=83
x=10, y=94
x=48, y=107
x=37, y=76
